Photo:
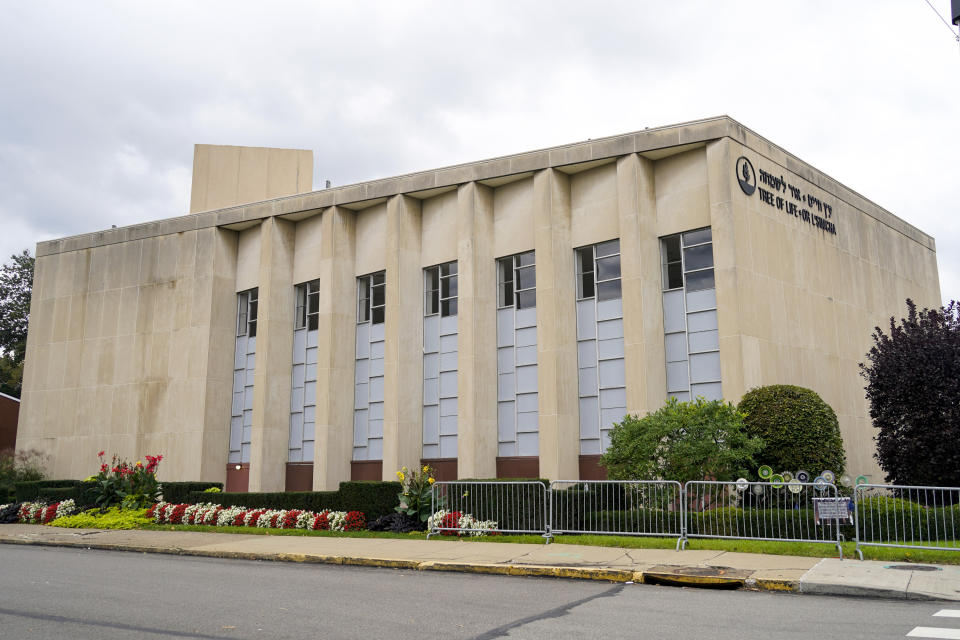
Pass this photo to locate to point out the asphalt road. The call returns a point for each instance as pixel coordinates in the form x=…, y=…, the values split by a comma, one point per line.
x=75, y=594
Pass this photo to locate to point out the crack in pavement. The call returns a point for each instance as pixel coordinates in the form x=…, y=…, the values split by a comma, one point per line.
x=556, y=612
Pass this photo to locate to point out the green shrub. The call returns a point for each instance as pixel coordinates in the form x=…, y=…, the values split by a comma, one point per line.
x=29, y=491
x=20, y=466
x=374, y=499
x=179, y=492
x=112, y=518
x=681, y=441
x=799, y=430
x=57, y=494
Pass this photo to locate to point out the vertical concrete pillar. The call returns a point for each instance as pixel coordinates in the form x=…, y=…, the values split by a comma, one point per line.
x=723, y=222
x=477, y=339
x=215, y=307
x=640, y=278
x=556, y=328
x=403, y=340
x=336, y=349
x=271, y=395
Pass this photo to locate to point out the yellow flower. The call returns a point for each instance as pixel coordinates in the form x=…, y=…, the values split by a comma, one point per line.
x=400, y=475
x=426, y=468
x=431, y=480
x=404, y=469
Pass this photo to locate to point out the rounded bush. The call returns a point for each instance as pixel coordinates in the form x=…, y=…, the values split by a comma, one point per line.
x=799, y=429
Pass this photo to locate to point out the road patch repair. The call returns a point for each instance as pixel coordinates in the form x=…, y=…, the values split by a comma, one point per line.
x=690, y=568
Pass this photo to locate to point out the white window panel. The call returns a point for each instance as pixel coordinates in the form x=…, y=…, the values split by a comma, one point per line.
x=296, y=430
x=376, y=350
x=431, y=451
x=609, y=416
x=506, y=422
x=237, y=408
x=374, y=429
x=299, y=346
x=448, y=325
x=676, y=347
x=431, y=425
x=526, y=337
x=363, y=340
x=587, y=354
x=505, y=327
x=375, y=449
x=375, y=411
x=589, y=418
x=682, y=396
x=251, y=361
x=251, y=345
x=310, y=394
x=526, y=317
x=431, y=334
x=245, y=453
x=527, y=355
x=360, y=428
x=608, y=349
x=590, y=447
x=506, y=386
x=307, y=451
x=431, y=365
x=609, y=309
x=308, y=431
x=701, y=321
x=448, y=361
x=704, y=341
x=705, y=367
x=247, y=419
x=612, y=373
x=701, y=300
x=361, y=371
x=673, y=311
x=677, y=376
x=236, y=433
x=448, y=426
x=586, y=320
x=431, y=391
x=246, y=433
x=507, y=449
x=448, y=384
x=311, y=373
x=448, y=446
x=610, y=398
x=377, y=332
x=312, y=339
x=376, y=367
x=528, y=444
x=311, y=356
x=527, y=402
x=299, y=375
x=526, y=422
x=588, y=382
x=448, y=344
x=248, y=378
x=527, y=379
x=360, y=396
x=248, y=399
x=240, y=353
x=505, y=360
x=359, y=453
x=376, y=389
x=448, y=407
x=309, y=414
x=604, y=439
x=239, y=380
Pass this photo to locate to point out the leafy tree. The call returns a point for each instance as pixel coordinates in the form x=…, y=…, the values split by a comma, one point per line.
x=913, y=386
x=799, y=429
x=681, y=441
x=16, y=285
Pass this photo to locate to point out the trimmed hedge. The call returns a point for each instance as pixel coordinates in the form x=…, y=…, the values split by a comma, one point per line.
x=30, y=491
x=179, y=492
x=374, y=499
x=59, y=494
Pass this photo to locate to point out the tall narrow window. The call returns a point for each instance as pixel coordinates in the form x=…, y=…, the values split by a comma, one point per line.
x=368, y=381
x=517, y=394
x=303, y=384
x=600, y=346
x=244, y=362
x=440, y=409
x=691, y=337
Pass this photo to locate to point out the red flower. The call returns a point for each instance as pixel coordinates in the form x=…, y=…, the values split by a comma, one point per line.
x=355, y=521
x=100, y=455
x=321, y=523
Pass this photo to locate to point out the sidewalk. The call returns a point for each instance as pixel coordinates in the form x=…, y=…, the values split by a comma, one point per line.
x=658, y=566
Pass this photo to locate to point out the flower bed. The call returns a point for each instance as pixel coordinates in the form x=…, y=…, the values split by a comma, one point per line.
x=42, y=513
x=455, y=523
x=219, y=516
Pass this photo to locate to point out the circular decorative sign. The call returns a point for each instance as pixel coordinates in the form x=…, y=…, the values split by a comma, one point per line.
x=742, y=484
x=862, y=480
x=821, y=483
x=765, y=472
x=787, y=476
x=828, y=475
x=776, y=481
x=794, y=486
x=746, y=176
x=803, y=476
x=846, y=480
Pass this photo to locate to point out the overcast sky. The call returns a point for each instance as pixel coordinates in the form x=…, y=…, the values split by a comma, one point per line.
x=102, y=102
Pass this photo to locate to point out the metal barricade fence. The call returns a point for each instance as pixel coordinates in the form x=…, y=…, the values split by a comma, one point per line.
x=477, y=507
x=907, y=516
x=794, y=511
x=634, y=508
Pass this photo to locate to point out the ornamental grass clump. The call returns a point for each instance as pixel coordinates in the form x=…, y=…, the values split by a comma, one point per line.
x=415, y=495
x=132, y=486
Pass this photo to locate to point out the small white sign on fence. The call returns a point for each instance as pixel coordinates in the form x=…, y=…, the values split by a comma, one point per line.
x=834, y=509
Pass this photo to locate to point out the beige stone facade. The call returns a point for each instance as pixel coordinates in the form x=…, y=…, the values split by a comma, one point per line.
x=132, y=330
